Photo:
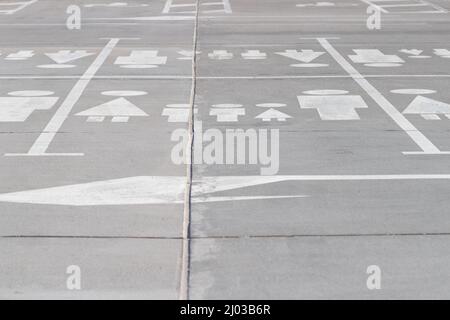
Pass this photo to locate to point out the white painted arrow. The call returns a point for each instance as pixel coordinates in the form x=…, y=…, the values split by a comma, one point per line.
x=120, y=109
x=428, y=108
x=64, y=56
x=305, y=56
x=140, y=190
x=270, y=114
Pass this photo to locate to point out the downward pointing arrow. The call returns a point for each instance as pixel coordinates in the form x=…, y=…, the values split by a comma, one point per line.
x=64, y=56
x=305, y=56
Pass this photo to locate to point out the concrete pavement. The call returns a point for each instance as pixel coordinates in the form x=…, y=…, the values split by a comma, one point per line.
x=88, y=175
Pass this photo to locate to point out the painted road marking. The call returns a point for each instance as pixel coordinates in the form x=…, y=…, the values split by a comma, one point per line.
x=18, y=109
x=171, y=189
x=254, y=55
x=219, y=6
x=273, y=114
x=420, y=139
x=20, y=55
x=141, y=59
x=178, y=112
x=20, y=5
x=220, y=55
x=305, y=56
x=429, y=109
x=119, y=109
x=389, y=6
x=185, y=77
x=444, y=53
x=227, y=112
x=326, y=4
x=375, y=58
x=333, y=107
x=64, y=56
x=40, y=146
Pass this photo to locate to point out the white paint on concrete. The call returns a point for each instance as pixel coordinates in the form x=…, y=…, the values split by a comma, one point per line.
x=426, y=146
x=330, y=107
x=40, y=146
x=65, y=56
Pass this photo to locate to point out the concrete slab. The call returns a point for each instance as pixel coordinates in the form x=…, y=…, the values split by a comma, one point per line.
x=320, y=268
x=109, y=268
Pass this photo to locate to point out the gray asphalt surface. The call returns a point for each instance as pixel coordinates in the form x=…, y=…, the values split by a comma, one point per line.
x=98, y=188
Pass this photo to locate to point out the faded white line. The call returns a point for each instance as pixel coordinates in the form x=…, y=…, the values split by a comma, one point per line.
x=420, y=139
x=40, y=146
x=22, y=5
x=181, y=77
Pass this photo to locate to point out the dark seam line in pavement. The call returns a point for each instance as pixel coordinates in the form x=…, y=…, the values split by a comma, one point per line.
x=186, y=243
x=89, y=237
x=280, y=236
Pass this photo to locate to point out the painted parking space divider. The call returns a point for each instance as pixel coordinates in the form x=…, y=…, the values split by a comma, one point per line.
x=41, y=144
x=427, y=147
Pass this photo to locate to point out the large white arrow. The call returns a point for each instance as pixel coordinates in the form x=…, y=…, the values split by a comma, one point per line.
x=170, y=190
x=305, y=56
x=140, y=190
x=64, y=56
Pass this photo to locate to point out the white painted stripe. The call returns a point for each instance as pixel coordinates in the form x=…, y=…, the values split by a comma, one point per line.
x=426, y=145
x=227, y=6
x=167, y=6
x=370, y=3
x=22, y=5
x=181, y=77
x=42, y=143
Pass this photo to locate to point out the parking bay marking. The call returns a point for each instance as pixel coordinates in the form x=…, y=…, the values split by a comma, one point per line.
x=418, y=137
x=40, y=146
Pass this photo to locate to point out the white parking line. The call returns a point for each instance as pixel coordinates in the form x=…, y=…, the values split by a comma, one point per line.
x=20, y=5
x=421, y=140
x=40, y=146
x=186, y=77
x=422, y=6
